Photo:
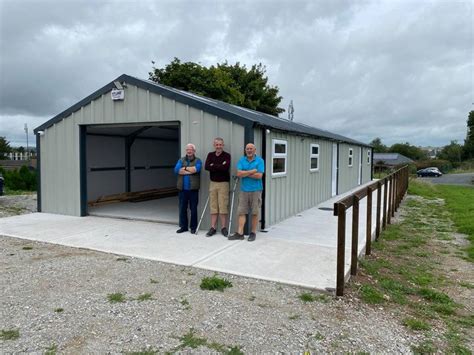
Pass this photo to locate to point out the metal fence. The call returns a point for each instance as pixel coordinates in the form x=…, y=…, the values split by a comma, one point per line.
x=394, y=187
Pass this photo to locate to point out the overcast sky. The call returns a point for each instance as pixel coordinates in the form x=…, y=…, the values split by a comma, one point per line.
x=399, y=70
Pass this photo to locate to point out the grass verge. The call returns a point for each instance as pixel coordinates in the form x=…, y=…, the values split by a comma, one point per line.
x=405, y=271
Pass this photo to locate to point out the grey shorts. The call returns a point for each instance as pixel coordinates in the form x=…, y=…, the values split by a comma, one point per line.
x=249, y=202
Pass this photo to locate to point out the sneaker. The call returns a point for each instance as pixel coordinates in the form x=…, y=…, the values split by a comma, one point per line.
x=236, y=236
x=224, y=232
x=251, y=237
x=193, y=231
x=211, y=232
x=181, y=230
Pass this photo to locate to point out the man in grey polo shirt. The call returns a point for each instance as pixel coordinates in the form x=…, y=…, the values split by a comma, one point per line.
x=250, y=169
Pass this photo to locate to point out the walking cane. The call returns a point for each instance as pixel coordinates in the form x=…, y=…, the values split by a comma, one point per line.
x=236, y=178
x=202, y=215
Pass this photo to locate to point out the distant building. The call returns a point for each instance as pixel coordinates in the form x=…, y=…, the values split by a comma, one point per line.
x=390, y=160
x=431, y=152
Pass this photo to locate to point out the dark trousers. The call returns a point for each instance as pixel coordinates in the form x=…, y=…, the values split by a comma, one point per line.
x=188, y=198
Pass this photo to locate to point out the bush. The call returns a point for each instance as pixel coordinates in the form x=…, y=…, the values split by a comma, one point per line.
x=23, y=179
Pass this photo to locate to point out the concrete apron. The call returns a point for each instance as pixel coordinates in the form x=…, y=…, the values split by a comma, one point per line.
x=298, y=251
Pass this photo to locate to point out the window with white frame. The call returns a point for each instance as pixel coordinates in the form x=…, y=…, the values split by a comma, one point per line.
x=314, y=157
x=368, y=157
x=279, y=155
x=351, y=156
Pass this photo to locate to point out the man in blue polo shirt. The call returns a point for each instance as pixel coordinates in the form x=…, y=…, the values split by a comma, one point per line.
x=250, y=169
x=188, y=169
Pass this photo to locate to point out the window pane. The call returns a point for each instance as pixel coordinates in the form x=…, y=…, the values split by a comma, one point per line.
x=314, y=150
x=278, y=165
x=350, y=160
x=314, y=163
x=280, y=148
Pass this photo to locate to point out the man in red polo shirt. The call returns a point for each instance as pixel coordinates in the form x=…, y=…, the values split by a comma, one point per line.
x=218, y=165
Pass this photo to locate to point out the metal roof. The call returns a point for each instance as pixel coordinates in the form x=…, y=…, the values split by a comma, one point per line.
x=391, y=158
x=219, y=108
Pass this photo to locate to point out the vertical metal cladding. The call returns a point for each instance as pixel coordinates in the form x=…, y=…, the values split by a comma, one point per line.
x=60, y=164
x=349, y=174
x=300, y=188
x=286, y=195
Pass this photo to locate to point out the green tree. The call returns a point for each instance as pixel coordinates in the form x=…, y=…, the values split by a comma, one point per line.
x=408, y=150
x=378, y=146
x=452, y=153
x=468, y=149
x=4, y=147
x=234, y=84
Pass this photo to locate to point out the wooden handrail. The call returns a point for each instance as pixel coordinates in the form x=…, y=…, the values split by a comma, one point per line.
x=394, y=186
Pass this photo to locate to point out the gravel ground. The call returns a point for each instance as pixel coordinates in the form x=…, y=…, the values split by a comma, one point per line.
x=57, y=298
x=17, y=204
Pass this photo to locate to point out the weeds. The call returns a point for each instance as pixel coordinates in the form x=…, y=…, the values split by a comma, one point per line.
x=116, y=297
x=9, y=334
x=307, y=297
x=215, y=283
x=416, y=324
x=144, y=297
x=59, y=310
x=27, y=248
x=51, y=350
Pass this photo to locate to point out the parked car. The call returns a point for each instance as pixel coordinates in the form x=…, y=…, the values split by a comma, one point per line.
x=433, y=171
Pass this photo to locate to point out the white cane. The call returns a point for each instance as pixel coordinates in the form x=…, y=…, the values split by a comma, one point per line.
x=232, y=203
x=202, y=215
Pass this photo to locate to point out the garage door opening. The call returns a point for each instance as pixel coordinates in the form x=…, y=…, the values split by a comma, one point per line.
x=130, y=171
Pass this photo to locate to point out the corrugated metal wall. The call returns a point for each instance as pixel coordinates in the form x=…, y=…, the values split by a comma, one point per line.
x=300, y=188
x=60, y=143
x=286, y=195
x=366, y=164
x=348, y=175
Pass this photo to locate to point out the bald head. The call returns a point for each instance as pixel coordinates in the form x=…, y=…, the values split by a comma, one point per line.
x=250, y=150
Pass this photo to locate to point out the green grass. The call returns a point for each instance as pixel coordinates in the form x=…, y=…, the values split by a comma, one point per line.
x=51, y=350
x=59, y=310
x=371, y=295
x=406, y=267
x=416, y=324
x=145, y=297
x=116, y=297
x=153, y=281
x=307, y=297
x=190, y=340
x=27, y=248
x=424, y=348
x=215, y=283
x=459, y=203
x=9, y=334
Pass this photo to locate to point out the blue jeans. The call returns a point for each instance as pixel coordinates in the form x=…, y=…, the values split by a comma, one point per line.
x=188, y=198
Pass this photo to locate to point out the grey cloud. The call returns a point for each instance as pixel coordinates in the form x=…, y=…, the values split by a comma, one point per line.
x=398, y=70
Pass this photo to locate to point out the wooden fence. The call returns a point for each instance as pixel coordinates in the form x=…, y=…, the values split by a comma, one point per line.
x=394, y=187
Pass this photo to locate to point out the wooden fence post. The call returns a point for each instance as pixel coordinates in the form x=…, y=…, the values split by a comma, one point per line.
x=392, y=210
x=341, y=247
x=385, y=185
x=355, y=235
x=379, y=201
x=368, y=227
x=389, y=207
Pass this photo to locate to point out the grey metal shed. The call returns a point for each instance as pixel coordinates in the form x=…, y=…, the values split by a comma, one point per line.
x=102, y=146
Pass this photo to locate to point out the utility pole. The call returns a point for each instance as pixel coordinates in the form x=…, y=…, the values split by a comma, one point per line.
x=26, y=131
x=291, y=111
